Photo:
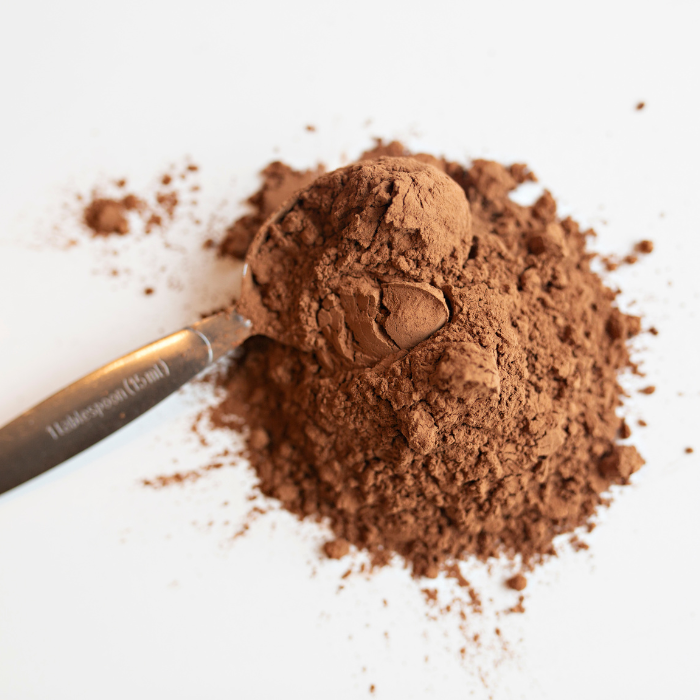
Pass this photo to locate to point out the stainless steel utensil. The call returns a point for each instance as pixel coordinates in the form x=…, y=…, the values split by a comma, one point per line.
x=107, y=399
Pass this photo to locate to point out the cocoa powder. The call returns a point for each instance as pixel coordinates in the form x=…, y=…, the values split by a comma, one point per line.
x=279, y=183
x=447, y=385
x=105, y=216
x=353, y=273
x=109, y=215
x=517, y=582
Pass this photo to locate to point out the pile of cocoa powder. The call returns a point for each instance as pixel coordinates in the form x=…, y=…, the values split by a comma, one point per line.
x=448, y=381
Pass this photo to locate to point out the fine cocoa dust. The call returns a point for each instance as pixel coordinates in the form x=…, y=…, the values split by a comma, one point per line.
x=448, y=383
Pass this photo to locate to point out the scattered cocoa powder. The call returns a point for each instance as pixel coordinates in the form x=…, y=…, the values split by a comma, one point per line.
x=165, y=480
x=613, y=262
x=483, y=420
x=577, y=544
x=430, y=595
x=162, y=481
x=518, y=608
x=640, y=106
x=453, y=571
x=648, y=390
x=689, y=450
x=168, y=202
x=106, y=216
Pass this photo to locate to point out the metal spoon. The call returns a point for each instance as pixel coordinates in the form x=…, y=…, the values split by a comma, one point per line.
x=104, y=401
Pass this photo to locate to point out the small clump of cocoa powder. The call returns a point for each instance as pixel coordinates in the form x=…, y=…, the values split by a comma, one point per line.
x=104, y=216
x=517, y=582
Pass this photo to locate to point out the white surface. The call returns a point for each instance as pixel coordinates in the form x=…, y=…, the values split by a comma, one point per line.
x=109, y=590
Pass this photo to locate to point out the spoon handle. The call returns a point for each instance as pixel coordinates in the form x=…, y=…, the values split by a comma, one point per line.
x=107, y=399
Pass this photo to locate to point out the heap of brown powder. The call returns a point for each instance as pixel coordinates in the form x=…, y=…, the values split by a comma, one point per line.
x=491, y=430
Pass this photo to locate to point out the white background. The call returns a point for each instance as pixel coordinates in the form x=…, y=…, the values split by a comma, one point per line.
x=111, y=590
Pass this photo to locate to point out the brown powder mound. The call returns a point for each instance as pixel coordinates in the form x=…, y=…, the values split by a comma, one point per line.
x=490, y=431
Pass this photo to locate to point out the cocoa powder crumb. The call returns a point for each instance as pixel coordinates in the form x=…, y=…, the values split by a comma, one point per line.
x=645, y=247
x=625, y=430
x=430, y=595
x=148, y=291
x=689, y=450
x=168, y=201
x=610, y=262
x=648, y=390
x=160, y=482
x=107, y=216
x=640, y=106
x=517, y=582
x=154, y=221
x=577, y=544
x=336, y=549
x=179, y=478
